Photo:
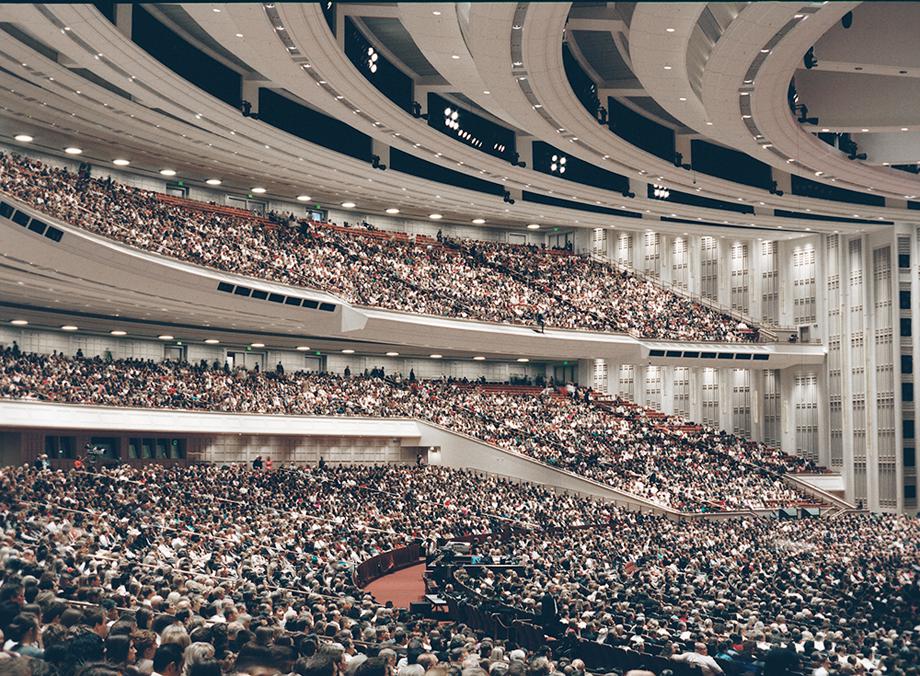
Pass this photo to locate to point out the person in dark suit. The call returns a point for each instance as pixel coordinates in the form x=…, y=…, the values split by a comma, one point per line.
x=549, y=609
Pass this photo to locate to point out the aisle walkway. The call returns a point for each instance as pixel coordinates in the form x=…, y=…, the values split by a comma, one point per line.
x=402, y=587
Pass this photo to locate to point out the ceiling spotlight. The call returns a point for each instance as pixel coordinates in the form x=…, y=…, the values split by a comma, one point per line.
x=69, y=327
x=121, y=163
x=23, y=138
x=479, y=358
x=348, y=351
x=73, y=150
x=118, y=332
x=168, y=172
x=165, y=336
x=392, y=354
x=19, y=322
x=257, y=345
x=660, y=191
x=302, y=348
x=211, y=341
x=436, y=13
x=479, y=221
x=523, y=360
x=435, y=217
x=393, y=211
x=348, y=205
x=258, y=191
x=213, y=181
x=435, y=356
x=533, y=226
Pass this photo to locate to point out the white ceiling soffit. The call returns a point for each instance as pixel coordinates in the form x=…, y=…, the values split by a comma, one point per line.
x=785, y=31
x=235, y=146
x=551, y=108
x=331, y=74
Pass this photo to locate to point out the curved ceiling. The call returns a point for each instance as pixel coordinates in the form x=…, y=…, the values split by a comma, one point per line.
x=77, y=78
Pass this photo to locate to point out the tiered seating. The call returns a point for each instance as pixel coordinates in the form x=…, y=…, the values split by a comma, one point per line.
x=485, y=281
x=645, y=453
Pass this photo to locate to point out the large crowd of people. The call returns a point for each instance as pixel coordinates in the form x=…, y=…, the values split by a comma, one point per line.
x=206, y=571
x=456, y=278
x=616, y=443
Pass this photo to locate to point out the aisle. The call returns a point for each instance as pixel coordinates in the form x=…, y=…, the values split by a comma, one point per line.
x=402, y=587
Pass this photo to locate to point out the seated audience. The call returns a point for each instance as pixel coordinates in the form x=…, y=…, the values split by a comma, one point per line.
x=467, y=279
x=660, y=458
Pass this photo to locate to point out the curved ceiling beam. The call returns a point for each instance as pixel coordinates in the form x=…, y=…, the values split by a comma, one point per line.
x=586, y=139
x=440, y=39
x=234, y=144
x=785, y=34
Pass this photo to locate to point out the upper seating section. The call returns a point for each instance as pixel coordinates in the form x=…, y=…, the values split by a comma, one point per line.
x=454, y=278
x=646, y=453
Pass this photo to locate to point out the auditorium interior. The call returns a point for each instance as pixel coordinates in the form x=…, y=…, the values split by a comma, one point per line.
x=459, y=339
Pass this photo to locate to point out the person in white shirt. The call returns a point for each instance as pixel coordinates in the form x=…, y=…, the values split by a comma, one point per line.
x=700, y=658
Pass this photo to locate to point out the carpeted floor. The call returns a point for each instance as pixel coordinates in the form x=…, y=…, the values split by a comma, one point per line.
x=401, y=587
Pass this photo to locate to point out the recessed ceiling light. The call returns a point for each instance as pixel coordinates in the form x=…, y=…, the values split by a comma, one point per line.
x=118, y=332
x=215, y=9
x=257, y=345
x=479, y=221
x=523, y=360
x=19, y=322
x=69, y=327
x=348, y=351
x=455, y=56
x=682, y=98
x=392, y=210
x=121, y=163
x=825, y=129
x=392, y=354
x=667, y=67
x=165, y=336
x=23, y=138
x=436, y=13
x=864, y=130
x=669, y=30
x=211, y=341
x=435, y=217
x=903, y=128
x=348, y=205
x=258, y=191
x=303, y=348
x=73, y=150
x=303, y=198
x=168, y=172
x=213, y=181
x=479, y=358
x=764, y=51
x=435, y=356
x=239, y=35
x=533, y=226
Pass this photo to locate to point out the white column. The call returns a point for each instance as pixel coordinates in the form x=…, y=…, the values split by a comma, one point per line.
x=694, y=262
x=696, y=393
x=665, y=256
x=755, y=280
x=787, y=409
x=724, y=295
x=757, y=404
x=726, y=399
x=667, y=389
x=784, y=283
x=872, y=498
